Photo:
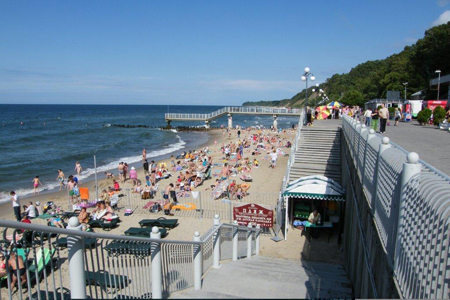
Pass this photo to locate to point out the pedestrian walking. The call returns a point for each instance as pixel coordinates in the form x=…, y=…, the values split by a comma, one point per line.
x=375, y=120
x=384, y=115
x=368, y=116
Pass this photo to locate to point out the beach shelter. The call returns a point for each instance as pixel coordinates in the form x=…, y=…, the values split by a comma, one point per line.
x=334, y=104
x=323, y=112
x=314, y=187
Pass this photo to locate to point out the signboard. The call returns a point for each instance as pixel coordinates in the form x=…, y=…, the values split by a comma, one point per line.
x=253, y=213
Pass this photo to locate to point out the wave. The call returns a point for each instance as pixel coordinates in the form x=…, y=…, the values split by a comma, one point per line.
x=133, y=159
x=180, y=144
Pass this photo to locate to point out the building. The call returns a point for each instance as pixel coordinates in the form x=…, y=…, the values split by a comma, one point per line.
x=444, y=91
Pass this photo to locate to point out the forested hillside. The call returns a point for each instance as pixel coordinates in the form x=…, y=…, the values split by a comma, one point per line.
x=416, y=65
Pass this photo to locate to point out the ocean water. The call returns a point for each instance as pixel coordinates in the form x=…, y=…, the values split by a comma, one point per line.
x=37, y=140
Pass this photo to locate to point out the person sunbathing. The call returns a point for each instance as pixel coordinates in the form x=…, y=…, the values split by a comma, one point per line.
x=56, y=222
x=3, y=271
x=83, y=217
x=17, y=265
x=198, y=181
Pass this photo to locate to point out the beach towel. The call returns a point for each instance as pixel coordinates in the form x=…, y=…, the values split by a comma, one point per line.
x=84, y=193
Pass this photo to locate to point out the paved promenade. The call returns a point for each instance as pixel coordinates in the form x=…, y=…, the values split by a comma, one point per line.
x=432, y=144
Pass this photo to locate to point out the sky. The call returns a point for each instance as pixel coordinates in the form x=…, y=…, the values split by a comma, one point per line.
x=194, y=52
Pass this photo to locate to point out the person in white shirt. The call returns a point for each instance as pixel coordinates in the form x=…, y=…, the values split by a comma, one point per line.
x=16, y=205
x=31, y=211
x=368, y=116
x=273, y=157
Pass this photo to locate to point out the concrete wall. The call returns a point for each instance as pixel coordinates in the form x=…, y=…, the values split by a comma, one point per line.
x=366, y=260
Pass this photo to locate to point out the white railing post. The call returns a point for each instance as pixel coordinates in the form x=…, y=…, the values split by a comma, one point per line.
x=156, y=264
x=216, y=245
x=77, y=273
x=410, y=168
x=249, y=241
x=258, y=231
x=198, y=257
x=235, y=241
x=383, y=146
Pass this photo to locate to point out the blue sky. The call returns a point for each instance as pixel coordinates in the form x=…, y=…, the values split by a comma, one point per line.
x=194, y=52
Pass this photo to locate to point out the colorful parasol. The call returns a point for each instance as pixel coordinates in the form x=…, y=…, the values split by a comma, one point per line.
x=323, y=112
x=334, y=104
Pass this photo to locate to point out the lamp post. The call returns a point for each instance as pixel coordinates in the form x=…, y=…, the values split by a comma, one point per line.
x=305, y=77
x=439, y=82
x=405, y=84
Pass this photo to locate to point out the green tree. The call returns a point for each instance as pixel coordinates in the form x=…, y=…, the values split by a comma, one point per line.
x=438, y=115
x=353, y=97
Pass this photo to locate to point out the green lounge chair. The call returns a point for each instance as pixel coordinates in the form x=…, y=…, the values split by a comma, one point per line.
x=105, y=225
x=108, y=282
x=143, y=232
x=126, y=247
x=160, y=222
x=88, y=243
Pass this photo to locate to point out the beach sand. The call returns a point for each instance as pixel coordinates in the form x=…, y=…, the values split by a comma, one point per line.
x=265, y=180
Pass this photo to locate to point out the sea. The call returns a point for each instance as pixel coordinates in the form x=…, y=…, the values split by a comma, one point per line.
x=37, y=140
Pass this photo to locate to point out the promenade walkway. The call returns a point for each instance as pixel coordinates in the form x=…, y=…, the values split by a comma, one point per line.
x=428, y=141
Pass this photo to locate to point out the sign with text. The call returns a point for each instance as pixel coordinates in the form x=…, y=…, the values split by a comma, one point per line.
x=253, y=213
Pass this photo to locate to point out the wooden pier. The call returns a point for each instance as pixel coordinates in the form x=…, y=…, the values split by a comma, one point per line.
x=229, y=111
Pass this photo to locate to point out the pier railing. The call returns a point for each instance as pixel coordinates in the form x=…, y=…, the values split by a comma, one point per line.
x=69, y=263
x=409, y=203
x=234, y=110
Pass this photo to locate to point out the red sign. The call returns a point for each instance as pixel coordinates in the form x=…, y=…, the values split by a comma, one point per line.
x=253, y=213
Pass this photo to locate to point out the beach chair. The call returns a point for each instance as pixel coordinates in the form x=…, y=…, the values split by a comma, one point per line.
x=144, y=232
x=110, y=283
x=160, y=222
x=127, y=247
x=69, y=214
x=88, y=243
x=104, y=224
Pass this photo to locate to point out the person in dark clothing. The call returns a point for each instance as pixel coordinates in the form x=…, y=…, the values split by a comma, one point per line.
x=145, y=165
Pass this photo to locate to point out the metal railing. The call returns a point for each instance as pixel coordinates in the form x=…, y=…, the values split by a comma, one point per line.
x=280, y=216
x=235, y=110
x=62, y=263
x=409, y=203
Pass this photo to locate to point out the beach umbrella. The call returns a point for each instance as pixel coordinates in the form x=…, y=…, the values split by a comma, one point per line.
x=323, y=112
x=334, y=104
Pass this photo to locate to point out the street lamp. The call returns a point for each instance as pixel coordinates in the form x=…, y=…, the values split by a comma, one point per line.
x=305, y=77
x=405, y=84
x=439, y=82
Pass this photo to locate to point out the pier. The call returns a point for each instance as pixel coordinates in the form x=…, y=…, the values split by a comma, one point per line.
x=229, y=111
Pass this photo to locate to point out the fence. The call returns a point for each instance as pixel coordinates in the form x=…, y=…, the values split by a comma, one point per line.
x=62, y=264
x=280, y=210
x=409, y=203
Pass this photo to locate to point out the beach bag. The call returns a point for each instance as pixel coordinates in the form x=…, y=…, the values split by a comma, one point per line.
x=128, y=212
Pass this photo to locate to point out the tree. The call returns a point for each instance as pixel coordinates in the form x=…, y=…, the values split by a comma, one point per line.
x=353, y=97
x=438, y=115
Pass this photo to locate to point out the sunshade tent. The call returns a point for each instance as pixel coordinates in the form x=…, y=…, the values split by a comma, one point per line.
x=323, y=112
x=334, y=104
x=314, y=187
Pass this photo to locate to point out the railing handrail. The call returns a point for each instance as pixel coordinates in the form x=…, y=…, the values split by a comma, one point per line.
x=234, y=109
x=84, y=234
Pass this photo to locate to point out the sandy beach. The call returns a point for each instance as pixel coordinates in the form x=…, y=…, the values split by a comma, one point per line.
x=266, y=181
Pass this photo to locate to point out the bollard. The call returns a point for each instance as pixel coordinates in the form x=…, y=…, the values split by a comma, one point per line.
x=383, y=146
x=216, y=245
x=156, y=264
x=197, y=263
x=235, y=241
x=410, y=168
x=77, y=273
x=258, y=231
x=249, y=241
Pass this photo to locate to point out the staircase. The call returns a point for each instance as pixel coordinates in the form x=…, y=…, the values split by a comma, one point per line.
x=318, y=153
x=264, y=277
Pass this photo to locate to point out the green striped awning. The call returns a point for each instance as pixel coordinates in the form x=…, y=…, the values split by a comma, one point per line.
x=315, y=187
